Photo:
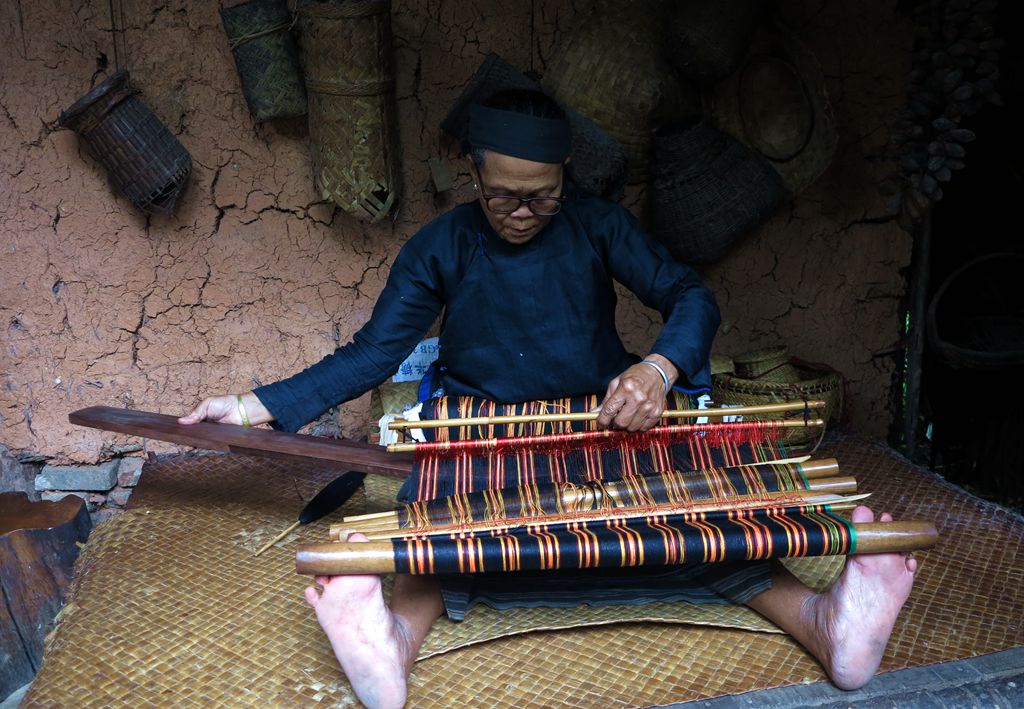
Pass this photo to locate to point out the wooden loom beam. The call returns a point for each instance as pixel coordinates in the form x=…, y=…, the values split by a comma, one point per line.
x=361, y=457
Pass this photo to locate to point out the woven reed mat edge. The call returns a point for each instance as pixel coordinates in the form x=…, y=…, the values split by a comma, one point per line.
x=968, y=601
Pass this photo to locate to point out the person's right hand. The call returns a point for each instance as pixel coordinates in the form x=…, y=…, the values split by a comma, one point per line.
x=224, y=409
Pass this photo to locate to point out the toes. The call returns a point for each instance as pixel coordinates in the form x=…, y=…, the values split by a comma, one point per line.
x=885, y=517
x=312, y=597
x=862, y=514
x=911, y=564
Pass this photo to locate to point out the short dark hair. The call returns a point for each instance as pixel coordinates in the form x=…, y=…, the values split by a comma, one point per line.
x=526, y=101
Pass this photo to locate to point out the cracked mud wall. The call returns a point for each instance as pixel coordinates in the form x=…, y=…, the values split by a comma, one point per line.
x=254, y=278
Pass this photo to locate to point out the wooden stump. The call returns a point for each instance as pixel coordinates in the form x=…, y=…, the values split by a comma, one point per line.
x=38, y=548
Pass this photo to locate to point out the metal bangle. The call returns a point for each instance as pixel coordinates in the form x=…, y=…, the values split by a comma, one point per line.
x=664, y=376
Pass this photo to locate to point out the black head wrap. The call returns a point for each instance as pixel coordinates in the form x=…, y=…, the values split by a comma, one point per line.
x=519, y=135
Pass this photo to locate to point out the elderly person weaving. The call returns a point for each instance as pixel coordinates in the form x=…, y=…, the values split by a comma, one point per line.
x=523, y=279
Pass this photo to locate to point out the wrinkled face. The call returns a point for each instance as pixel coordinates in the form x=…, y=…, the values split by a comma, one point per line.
x=507, y=175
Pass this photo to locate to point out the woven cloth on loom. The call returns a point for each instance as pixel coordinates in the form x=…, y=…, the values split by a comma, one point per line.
x=452, y=473
x=169, y=607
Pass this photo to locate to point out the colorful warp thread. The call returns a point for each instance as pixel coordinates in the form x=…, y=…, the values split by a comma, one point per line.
x=438, y=475
x=549, y=499
x=662, y=540
x=714, y=434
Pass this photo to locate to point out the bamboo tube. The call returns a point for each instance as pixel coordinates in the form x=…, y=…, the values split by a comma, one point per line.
x=378, y=557
x=882, y=537
x=823, y=468
x=402, y=424
x=837, y=485
x=584, y=436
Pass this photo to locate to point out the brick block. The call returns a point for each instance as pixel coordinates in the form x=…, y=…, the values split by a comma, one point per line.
x=54, y=495
x=128, y=472
x=78, y=477
x=119, y=496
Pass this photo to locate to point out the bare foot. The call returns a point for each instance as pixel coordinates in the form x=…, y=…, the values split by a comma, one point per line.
x=371, y=643
x=854, y=619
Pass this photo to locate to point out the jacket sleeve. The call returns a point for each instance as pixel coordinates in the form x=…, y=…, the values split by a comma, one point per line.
x=688, y=309
x=407, y=307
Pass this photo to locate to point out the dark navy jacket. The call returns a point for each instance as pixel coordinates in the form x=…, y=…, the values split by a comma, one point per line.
x=524, y=322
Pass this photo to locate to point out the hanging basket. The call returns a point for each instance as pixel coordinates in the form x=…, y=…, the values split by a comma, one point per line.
x=709, y=190
x=809, y=382
x=611, y=70
x=976, y=318
x=705, y=41
x=143, y=159
x=346, y=48
x=267, y=58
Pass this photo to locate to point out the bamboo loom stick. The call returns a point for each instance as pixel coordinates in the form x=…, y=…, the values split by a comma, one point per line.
x=585, y=436
x=292, y=527
x=628, y=514
x=340, y=558
x=401, y=424
x=388, y=521
x=788, y=498
x=819, y=469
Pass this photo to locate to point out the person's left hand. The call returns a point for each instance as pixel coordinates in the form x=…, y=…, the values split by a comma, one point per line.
x=635, y=399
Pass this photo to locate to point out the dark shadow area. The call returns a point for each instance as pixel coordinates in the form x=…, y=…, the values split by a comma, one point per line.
x=973, y=366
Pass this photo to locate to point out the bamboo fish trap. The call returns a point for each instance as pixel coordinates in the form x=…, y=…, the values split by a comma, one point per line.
x=346, y=48
x=143, y=159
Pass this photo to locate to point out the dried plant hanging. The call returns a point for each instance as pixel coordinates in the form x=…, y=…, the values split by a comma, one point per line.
x=346, y=48
x=260, y=36
x=953, y=75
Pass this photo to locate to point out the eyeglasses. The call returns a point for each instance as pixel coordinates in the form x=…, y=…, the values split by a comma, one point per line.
x=506, y=204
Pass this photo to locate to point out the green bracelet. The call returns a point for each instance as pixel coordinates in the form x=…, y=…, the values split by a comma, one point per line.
x=241, y=411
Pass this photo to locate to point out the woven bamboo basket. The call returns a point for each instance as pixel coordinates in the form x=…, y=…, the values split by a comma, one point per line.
x=777, y=104
x=612, y=71
x=705, y=41
x=709, y=190
x=768, y=364
x=143, y=159
x=811, y=383
x=976, y=319
x=346, y=49
x=267, y=58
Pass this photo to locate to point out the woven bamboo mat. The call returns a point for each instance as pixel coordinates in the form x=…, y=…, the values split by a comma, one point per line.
x=169, y=607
